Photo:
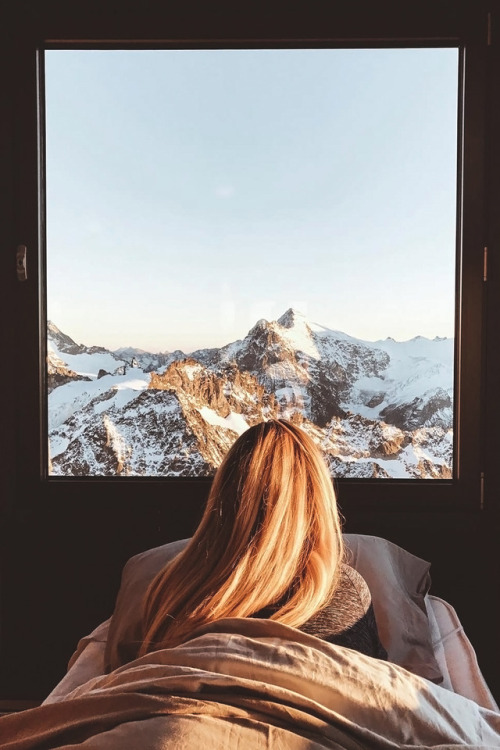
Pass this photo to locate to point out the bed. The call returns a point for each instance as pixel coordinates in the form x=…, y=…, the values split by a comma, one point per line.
x=250, y=683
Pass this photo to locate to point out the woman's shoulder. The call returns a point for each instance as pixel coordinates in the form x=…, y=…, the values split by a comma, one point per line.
x=348, y=619
x=352, y=587
x=348, y=606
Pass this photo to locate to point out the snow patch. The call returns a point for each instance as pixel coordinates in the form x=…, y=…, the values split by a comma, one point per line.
x=75, y=395
x=235, y=422
x=192, y=370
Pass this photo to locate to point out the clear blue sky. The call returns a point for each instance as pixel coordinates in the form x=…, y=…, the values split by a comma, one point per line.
x=190, y=193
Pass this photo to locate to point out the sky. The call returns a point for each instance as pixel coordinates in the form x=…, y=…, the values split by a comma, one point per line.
x=192, y=192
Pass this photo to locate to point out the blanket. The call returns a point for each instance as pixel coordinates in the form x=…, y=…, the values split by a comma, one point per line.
x=249, y=684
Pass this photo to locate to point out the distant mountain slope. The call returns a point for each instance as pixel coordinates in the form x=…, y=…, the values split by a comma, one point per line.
x=377, y=409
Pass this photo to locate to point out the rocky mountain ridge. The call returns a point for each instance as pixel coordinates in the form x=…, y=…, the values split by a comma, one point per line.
x=378, y=409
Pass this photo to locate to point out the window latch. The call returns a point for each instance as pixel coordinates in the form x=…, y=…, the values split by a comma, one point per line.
x=21, y=267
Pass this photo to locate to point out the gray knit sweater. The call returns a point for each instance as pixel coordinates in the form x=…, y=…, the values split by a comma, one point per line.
x=348, y=620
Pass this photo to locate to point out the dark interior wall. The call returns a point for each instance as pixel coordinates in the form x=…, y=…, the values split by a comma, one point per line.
x=62, y=567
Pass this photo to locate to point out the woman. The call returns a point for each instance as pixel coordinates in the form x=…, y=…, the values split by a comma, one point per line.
x=269, y=545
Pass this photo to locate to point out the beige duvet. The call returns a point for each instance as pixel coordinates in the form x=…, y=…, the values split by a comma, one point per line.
x=249, y=685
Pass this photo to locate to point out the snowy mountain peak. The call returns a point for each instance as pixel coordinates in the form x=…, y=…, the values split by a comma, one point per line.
x=60, y=341
x=291, y=318
x=261, y=325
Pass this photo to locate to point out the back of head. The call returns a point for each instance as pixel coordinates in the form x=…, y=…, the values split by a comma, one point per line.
x=270, y=535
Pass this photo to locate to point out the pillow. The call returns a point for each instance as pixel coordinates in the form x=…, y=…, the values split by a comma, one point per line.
x=398, y=582
x=125, y=627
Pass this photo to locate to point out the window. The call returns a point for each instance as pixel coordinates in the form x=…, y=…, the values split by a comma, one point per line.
x=234, y=234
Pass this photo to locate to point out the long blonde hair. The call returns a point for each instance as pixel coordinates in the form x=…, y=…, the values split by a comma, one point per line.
x=270, y=535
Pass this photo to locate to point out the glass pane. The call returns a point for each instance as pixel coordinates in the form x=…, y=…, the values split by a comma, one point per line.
x=234, y=235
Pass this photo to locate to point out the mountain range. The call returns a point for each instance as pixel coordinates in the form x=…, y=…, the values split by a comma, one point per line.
x=377, y=409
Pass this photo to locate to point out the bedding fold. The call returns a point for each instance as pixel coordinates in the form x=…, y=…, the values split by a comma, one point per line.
x=252, y=684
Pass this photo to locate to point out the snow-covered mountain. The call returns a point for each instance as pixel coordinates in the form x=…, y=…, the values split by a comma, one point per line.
x=148, y=361
x=381, y=409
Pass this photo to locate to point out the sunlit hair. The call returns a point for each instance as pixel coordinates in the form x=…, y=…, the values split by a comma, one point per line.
x=270, y=536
